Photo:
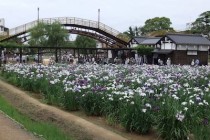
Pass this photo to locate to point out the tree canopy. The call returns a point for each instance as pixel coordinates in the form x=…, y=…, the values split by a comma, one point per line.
x=202, y=24
x=85, y=42
x=156, y=24
x=133, y=31
x=144, y=50
x=53, y=35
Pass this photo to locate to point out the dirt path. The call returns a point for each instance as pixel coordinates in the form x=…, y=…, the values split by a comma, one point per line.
x=79, y=127
x=10, y=130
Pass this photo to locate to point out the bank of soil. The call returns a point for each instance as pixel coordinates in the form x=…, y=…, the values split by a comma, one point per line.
x=11, y=130
x=74, y=123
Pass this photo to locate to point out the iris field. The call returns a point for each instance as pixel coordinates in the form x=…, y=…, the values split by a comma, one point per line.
x=170, y=100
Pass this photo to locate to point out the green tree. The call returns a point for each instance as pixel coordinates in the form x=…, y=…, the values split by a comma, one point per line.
x=124, y=36
x=160, y=33
x=85, y=42
x=133, y=31
x=144, y=50
x=38, y=35
x=156, y=24
x=202, y=24
x=70, y=44
x=52, y=35
x=57, y=35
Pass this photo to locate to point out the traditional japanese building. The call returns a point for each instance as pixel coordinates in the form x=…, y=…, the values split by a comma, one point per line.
x=180, y=48
x=183, y=48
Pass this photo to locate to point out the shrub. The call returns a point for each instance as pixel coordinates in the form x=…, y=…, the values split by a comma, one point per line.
x=144, y=50
x=171, y=122
x=91, y=103
x=136, y=116
x=71, y=100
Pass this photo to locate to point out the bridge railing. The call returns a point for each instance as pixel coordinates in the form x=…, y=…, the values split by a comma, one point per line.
x=83, y=22
x=65, y=20
x=22, y=28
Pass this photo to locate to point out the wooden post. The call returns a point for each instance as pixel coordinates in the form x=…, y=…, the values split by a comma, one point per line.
x=0, y=56
x=74, y=53
x=56, y=55
x=78, y=53
x=38, y=55
x=20, y=50
x=107, y=55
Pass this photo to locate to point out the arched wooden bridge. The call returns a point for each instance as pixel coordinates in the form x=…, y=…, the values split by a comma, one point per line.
x=93, y=29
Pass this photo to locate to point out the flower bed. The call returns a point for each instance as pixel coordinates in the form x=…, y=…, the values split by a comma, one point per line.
x=173, y=100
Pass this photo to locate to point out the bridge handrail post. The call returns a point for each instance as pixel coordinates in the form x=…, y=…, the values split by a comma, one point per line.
x=25, y=28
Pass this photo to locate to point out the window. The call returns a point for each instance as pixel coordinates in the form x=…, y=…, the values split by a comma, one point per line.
x=192, y=53
x=181, y=47
x=192, y=47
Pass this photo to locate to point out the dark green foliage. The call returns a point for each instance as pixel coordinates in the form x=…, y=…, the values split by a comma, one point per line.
x=124, y=36
x=85, y=42
x=10, y=45
x=54, y=94
x=132, y=32
x=52, y=35
x=168, y=126
x=71, y=100
x=144, y=50
x=133, y=117
x=49, y=35
x=202, y=24
x=156, y=24
x=91, y=103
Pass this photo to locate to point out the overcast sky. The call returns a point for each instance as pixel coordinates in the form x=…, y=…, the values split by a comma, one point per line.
x=118, y=14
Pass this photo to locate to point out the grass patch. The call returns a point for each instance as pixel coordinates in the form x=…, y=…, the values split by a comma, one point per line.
x=46, y=130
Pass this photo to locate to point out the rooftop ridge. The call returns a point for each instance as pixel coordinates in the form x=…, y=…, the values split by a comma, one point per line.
x=179, y=34
x=154, y=37
x=139, y=37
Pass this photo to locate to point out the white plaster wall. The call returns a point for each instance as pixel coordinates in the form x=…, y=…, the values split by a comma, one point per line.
x=181, y=47
x=193, y=47
x=168, y=46
x=203, y=48
x=134, y=45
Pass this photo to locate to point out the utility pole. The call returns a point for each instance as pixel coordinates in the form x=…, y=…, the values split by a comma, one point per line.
x=38, y=14
x=98, y=18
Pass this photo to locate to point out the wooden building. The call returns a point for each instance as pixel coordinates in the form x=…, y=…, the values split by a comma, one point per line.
x=180, y=48
x=183, y=48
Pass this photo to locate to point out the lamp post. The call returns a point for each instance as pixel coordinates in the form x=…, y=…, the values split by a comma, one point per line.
x=98, y=17
x=38, y=14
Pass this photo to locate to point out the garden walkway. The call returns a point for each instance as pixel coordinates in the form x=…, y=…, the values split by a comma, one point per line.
x=10, y=130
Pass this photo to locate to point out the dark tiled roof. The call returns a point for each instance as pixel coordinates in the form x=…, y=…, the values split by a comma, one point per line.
x=139, y=39
x=150, y=41
x=188, y=39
